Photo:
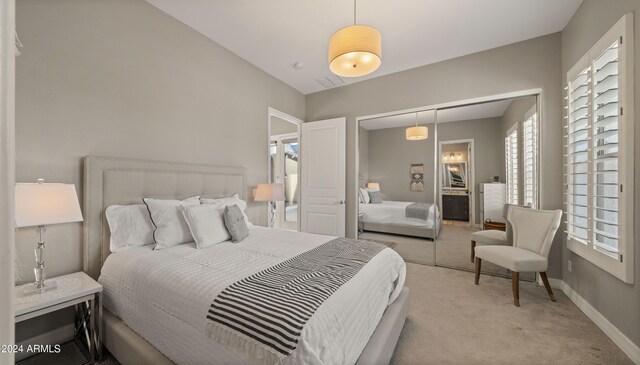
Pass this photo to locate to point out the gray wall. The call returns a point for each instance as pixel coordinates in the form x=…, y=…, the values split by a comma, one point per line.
x=617, y=301
x=515, y=112
x=531, y=64
x=122, y=78
x=488, y=145
x=390, y=159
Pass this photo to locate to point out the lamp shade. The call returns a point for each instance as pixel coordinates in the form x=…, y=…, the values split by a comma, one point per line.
x=269, y=193
x=45, y=204
x=373, y=186
x=355, y=51
x=417, y=133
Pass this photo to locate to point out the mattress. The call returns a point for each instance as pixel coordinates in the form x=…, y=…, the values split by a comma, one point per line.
x=393, y=212
x=164, y=296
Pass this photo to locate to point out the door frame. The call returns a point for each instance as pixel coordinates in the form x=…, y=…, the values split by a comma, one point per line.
x=7, y=173
x=472, y=177
x=279, y=140
x=272, y=112
x=537, y=92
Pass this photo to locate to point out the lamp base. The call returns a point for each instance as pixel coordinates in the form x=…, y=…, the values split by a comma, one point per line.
x=33, y=289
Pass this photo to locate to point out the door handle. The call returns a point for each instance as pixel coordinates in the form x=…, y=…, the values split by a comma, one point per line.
x=340, y=202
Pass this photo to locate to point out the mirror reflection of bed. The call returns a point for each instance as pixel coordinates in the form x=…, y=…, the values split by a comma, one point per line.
x=482, y=157
x=396, y=185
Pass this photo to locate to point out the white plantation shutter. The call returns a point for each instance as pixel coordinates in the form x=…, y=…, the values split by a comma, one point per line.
x=604, y=144
x=599, y=153
x=578, y=157
x=530, y=159
x=511, y=158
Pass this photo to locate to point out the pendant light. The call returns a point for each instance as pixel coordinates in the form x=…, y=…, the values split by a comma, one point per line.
x=355, y=50
x=417, y=133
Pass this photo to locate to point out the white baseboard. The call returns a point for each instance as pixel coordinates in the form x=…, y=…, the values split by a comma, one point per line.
x=554, y=283
x=626, y=345
x=57, y=336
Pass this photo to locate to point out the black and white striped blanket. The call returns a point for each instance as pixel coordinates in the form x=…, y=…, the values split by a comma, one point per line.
x=264, y=314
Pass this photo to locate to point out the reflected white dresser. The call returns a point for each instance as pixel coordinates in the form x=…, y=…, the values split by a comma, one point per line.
x=493, y=196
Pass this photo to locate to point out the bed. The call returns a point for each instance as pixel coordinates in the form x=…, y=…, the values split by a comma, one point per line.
x=154, y=301
x=390, y=217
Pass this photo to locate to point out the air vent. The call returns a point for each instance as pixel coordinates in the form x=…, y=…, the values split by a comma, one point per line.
x=330, y=81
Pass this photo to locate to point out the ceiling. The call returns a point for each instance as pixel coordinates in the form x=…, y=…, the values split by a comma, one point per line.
x=275, y=34
x=477, y=111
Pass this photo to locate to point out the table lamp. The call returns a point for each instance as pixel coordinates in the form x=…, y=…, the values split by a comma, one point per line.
x=373, y=186
x=38, y=205
x=269, y=193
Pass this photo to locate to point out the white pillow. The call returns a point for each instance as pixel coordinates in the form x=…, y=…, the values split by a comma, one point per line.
x=166, y=215
x=130, y=226
x=206, y=223
x=232, y=200
x=364, y=193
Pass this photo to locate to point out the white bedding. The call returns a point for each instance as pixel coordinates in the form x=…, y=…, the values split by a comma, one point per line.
x=393, y=212
x=164, y=296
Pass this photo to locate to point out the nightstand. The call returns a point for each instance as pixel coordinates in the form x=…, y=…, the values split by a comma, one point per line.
x=77, y=290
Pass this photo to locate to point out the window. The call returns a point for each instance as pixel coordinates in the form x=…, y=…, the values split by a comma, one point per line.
x=599, y=154
x=530, y=159
x=511, y=158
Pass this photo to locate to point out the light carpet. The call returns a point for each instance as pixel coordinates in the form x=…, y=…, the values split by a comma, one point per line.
x=453, y=321
x=452, y=249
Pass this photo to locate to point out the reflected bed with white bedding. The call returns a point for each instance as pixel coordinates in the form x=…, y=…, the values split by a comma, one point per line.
x=391, y=217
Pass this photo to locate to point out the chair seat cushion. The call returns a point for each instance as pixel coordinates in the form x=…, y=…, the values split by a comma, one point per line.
x=490, y=237
x=513, y=258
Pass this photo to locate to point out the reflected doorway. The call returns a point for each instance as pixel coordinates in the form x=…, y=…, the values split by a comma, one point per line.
x=487, y=158
x=284, y=168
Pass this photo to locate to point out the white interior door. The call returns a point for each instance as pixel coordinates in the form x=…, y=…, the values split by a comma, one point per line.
x=323, y=170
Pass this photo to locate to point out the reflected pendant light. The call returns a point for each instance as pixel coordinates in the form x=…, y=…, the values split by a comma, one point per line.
x=417, y=133
x=355, y=50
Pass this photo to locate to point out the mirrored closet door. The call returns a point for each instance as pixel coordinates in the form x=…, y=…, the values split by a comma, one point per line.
x=486, y=157
x=397, y=183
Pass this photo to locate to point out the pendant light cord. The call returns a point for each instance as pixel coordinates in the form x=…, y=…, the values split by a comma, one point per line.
x=416, y=119
x=354, y=12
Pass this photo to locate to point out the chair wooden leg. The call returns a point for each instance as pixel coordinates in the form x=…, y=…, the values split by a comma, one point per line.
x=478, y=264
x=473, y=250
x=543, y=275
x=515, y=284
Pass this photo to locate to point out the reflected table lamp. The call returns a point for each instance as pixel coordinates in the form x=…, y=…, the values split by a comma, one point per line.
x=373, y=186
x=39, y=205
x=269, y=193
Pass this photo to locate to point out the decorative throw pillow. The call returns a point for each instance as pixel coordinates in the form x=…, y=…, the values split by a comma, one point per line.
x=364, y=193
x=206, y=223
x=232, y=200
x=375, y=197
x=235, y=223
x=171, y=227
x=130, y=226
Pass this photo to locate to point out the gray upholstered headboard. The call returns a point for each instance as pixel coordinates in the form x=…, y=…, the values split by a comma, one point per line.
x=109, y=181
